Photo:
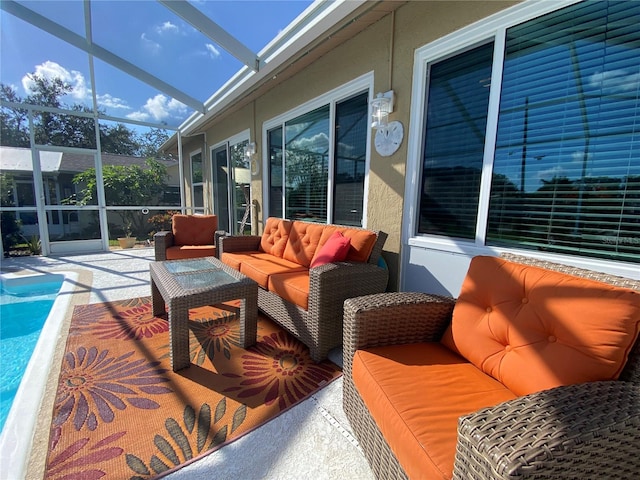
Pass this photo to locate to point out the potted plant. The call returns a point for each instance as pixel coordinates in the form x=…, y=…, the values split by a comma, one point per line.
x=128, y=241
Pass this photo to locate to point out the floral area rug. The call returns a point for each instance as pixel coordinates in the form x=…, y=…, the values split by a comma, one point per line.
x=122, y=413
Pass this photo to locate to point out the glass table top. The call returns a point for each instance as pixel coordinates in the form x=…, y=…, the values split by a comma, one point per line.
x=198, y=273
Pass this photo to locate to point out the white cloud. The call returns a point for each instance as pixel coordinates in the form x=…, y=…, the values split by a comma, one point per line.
x=159, y=108
x=550, y=173
x=578, y=156
x=319, y=142
x=51, y=70
x=212, y=50
x=167, y=27
x=150, y=45
x=109, y=101
x=617, y=80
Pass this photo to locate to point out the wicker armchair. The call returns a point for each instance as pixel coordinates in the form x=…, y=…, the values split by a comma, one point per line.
x=190, y=236
x=589, y=430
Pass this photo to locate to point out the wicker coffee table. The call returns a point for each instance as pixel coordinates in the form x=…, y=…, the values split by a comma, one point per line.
x=185, y=284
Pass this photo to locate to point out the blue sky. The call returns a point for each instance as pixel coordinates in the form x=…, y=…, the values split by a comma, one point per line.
x=146, y=34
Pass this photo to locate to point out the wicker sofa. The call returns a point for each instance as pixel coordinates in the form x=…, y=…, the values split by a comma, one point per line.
x=298, y=289
x=421, y=409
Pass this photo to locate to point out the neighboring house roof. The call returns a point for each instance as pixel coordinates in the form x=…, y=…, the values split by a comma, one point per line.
x=19, y=160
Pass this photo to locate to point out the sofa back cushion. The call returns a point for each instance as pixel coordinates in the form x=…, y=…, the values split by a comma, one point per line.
x=362, y=241
x=275, y=236
x=194, y=229
x=303, y=242
x=534, y=329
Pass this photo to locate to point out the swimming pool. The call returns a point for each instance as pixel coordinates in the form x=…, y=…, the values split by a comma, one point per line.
x=44, y=299
x=24, y=307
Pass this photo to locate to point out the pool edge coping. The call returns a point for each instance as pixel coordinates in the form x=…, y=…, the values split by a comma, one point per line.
x=16, y=439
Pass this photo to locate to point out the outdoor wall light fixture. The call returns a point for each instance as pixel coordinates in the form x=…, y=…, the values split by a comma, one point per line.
x=388, y=134
x=381, y=107
x=249, y=150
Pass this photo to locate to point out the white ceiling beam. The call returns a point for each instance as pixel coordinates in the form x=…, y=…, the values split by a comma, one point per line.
x=213, y=31
x=82, y=43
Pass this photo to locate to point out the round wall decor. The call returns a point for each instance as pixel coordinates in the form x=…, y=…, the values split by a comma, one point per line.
x=388, y=139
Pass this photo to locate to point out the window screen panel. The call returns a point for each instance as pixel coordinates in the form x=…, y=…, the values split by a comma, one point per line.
x=566, y=173
x=456, y=119
x=351, y=130
x=275, y=172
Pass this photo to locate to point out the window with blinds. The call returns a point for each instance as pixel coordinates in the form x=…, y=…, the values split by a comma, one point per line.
x=350, y=160
x=456, y=120
x=300, y=152
x=566, y=174
x=306, y=166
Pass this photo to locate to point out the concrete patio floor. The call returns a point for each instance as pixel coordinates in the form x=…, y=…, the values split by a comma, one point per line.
x=311, y=440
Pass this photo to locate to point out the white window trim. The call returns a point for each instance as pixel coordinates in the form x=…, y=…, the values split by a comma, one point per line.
x=357, y=85
x=492, y=28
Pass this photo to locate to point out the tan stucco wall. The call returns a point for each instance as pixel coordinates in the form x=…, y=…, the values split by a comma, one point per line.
x=386, y=48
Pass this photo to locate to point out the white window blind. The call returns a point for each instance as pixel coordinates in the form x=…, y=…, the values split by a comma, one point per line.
x=456, y=120
x=566, y=175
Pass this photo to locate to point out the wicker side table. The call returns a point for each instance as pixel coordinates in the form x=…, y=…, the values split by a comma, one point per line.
x=185, y=284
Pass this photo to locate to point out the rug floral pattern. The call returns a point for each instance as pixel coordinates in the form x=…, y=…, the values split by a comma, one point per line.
x=121, y=412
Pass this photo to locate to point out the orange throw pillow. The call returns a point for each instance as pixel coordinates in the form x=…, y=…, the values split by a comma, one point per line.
x=334, y=250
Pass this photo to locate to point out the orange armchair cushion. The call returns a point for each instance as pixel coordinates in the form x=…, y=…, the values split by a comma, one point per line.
x=416, y=393
x=534, y=329
x=194, y=229
x=178, y=252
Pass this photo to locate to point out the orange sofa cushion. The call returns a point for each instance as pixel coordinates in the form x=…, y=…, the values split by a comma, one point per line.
x=362, y=241
x=293, y=287
x=190, y=251
x=194, y=229
x=275, y=236
x=235, y=259
x=259, y=266
x=416, y=393
x=303, y=242
x=534, y=329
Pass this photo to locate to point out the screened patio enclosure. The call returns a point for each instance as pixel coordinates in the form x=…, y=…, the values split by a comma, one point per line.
x=70, y=198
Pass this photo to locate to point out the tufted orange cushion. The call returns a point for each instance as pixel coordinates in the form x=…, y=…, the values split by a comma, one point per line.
x=303, y=242
x=275, y=236
x=194, y=229
x=362, y=241
x=534, y=329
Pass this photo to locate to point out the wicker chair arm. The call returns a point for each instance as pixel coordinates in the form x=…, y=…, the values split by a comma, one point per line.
x=589, y=430
x=239, y=243
x=393, y=318
x=161, y=241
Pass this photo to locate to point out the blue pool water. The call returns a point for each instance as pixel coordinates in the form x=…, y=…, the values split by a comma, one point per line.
x=24, y=307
